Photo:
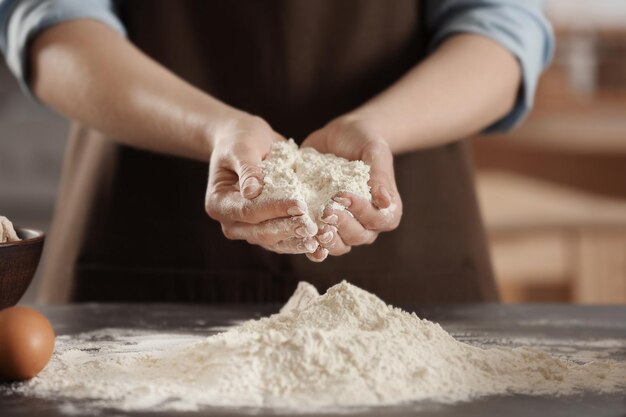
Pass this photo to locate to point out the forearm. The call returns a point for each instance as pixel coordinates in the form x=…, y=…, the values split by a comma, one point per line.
x=465, y=85
x=91, y=74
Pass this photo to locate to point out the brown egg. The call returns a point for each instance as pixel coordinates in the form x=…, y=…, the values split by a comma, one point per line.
x=26, y=343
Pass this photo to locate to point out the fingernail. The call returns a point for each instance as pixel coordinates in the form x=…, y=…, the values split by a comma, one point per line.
x=319, y=255
x=311, y=227
x=311, y=245
x=345, y=202
x=250, y=186
x=325, y=237
x=302, y=232
x=332, y=219
x=295, y=211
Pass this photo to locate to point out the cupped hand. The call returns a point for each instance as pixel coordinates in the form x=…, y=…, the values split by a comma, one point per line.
x=236, y=178
x=360, y=221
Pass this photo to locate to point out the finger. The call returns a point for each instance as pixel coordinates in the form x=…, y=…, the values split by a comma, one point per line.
x=246, y=162
x=319, y=255
x=295, y=246
x=230, y=207
x=346, y=225
x=351, y=231
x=250, y=178
x=271, y=232
x=248, y=168
x=336, y=246
x=382, y=178
x=370, y=217
x=325, y=234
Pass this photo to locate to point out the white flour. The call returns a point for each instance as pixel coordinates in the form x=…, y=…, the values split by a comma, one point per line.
x=311, y=177
x=7, y=232
x=342, y=349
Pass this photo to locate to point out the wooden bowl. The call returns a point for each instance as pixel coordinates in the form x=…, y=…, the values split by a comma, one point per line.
x=18, y=263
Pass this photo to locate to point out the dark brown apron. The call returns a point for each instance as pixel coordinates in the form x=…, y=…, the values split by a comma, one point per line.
x=131, y=226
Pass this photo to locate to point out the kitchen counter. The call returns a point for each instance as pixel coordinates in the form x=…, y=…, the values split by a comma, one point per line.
x=578, y=332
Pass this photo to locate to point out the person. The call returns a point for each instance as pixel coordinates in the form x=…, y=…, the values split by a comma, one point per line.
x=157, y=89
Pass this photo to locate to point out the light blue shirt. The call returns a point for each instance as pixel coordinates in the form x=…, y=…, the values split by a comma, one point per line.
x=517, y=25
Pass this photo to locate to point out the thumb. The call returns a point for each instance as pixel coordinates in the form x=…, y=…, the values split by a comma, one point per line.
x=247, y=165
x=316, y=140
x=382, y=183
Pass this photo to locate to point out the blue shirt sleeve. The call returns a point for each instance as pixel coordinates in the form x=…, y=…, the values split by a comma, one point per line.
x=22, y=20
x=517, y=25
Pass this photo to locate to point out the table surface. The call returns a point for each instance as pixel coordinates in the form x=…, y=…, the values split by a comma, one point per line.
x=575, y=331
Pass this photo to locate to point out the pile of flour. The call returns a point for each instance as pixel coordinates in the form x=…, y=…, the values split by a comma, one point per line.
x=341, y=349
x=7, y=232
x=311, y=177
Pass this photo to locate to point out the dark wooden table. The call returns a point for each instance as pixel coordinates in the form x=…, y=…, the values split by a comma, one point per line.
x=571, y=330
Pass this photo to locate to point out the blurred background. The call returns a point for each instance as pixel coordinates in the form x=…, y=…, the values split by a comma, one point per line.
x=553, y=192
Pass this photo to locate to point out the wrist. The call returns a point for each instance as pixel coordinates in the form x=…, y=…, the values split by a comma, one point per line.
x=223, y=125
x=383, y=124
x=364, y=121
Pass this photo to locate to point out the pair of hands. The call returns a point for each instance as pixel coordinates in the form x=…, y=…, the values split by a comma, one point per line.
x=236, y=178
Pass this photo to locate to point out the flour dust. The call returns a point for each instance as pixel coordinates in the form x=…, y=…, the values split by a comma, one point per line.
x=340, y=350
x=311, y=177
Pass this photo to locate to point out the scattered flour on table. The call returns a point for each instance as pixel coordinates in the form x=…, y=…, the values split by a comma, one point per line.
x=346, y=348
x=311, y=177
x=7, y=232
